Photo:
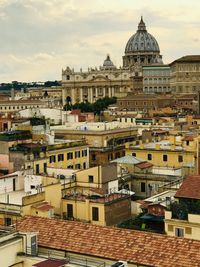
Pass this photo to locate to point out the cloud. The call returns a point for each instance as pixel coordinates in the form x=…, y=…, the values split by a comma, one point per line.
x=40, y=37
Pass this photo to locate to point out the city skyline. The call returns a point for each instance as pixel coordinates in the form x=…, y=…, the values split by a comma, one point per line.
x=39, y=38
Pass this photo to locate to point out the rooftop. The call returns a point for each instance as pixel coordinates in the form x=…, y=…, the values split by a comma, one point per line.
x=144, y=165
x=163, y=145
x=97, y=198
x=15, y=135
x=187, y=59
x=128, y=160
x=43, y=206
x=189, y=188
x=113, y=243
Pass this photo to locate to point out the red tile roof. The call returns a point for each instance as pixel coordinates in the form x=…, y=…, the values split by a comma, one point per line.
x=144, y=165
x=189, y=188
x=188, y=138
x=50, y=263
x=113, y=243
x=43, y=206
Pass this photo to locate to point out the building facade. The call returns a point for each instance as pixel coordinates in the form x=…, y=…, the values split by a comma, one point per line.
x=108, y=81
x=185, y=74
x=156, y=79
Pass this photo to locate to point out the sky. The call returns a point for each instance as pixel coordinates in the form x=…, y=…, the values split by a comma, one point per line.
x=39, y=38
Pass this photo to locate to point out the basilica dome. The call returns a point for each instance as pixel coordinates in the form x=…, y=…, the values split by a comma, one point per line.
x=142, y=40
x=108, y=64
x=142, y=48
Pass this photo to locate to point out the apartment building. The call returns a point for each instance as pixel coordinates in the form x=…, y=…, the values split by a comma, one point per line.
x=27, y=194
x=182, y=218
x=61, y=154
x=105, y=144
x=174, y=152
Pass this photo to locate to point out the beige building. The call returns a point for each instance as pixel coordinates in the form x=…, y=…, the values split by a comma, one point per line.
x=16, y=105
x=104, y=144
x=185, y=74
x=156, y=79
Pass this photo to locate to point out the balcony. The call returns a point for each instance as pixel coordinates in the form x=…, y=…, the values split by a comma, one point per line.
x=66, y=145
x=191, y=218
x=188, y=210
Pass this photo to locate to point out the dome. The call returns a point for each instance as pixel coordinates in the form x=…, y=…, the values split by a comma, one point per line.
x=142, y=41
x=108, y=64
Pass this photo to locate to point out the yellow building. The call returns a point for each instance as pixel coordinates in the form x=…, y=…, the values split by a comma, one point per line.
x=45, y=201
x=97, y=209
x=93, y=197
x=183, y=217
x=105, y=144
x=63, y=154
x=172, y=152
x=102, y=177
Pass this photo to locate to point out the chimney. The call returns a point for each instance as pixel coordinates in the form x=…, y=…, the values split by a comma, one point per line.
x=157, y=146
x=141, y=144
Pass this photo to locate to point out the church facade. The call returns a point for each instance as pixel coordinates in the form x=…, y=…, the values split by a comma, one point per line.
x=108, y=80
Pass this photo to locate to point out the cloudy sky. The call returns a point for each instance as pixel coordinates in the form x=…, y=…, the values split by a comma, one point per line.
x=40, y=37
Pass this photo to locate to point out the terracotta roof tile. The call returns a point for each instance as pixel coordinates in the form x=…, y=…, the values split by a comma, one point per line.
x=43, y=206
x=113, y=243
x=144, y=165
x=189, y=188
x=50, y=263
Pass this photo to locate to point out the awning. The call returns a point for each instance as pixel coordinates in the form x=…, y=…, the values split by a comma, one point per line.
x=152, y=218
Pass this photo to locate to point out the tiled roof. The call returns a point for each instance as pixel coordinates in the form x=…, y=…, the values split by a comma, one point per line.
x=113, y=243
x=144, y=165
x=43, y=206
x=188, y=138
x=50, y=263
x=189, y=188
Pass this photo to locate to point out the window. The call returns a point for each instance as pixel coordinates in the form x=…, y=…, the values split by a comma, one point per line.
x=164, y=157
x=77, y=166
x=149, y=156
x=179, y=232
x=134, y=154
x=93, y=157
x=180, y=158
x=77, y=154
x=8, y=221
x=90, y=178
x=188, y=142
x=60, y=157
x=70, y=167
x=69, y=211
x=52, y=159
x=95, y=213
x=143, y=187
x=84, y=153
x=37, y=168
x=84, y=165
x=45, y=167
x=70, y=155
